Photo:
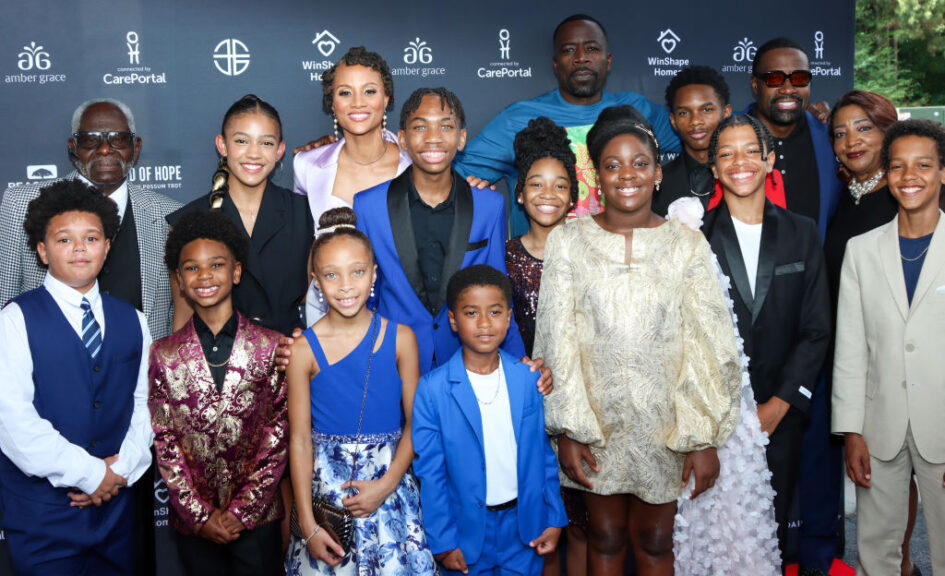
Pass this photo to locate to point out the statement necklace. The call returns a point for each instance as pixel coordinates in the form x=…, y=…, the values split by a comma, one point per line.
x=861, y=189
x=498, y=384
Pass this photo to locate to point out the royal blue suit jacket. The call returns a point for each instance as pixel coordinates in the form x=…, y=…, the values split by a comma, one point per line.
x=477, y=237
x=450, y=458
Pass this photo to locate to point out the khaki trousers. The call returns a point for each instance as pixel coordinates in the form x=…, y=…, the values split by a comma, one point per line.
x=882, y=511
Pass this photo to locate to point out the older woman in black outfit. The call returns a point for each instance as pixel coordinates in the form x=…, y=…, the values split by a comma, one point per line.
x=858, y=123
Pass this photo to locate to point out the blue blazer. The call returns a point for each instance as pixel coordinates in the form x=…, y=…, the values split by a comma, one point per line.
x=831, y=188
x=477, y=237
x=450, y=458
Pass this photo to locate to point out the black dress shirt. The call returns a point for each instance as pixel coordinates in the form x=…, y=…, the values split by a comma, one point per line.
x=795, y=158
x=431, y=231
x=701, y=180
x=217, y=348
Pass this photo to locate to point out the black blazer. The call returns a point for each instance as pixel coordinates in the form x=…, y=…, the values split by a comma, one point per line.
x=275, y=274
x=675, y=185
x=786, y=325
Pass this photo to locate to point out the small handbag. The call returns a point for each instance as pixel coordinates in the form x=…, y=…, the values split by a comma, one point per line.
x=338, y=522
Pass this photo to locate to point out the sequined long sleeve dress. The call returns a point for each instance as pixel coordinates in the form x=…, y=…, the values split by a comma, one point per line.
x=644, y=355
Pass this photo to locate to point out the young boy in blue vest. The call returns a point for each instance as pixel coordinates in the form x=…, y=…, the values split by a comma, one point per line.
x=489, y=485
x=74, y=422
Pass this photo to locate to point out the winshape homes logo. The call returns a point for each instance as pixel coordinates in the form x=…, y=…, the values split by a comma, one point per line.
x=134, y=73
x=666, y=65
x=325, y=43
x=505, y=67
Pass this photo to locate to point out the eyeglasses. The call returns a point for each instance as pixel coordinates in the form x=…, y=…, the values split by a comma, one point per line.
x=118, y=140
x=776, y=78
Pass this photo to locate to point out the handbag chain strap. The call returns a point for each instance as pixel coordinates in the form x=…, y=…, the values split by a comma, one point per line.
x=367, y=378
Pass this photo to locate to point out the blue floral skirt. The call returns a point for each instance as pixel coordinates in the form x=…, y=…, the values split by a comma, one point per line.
x=389, y=542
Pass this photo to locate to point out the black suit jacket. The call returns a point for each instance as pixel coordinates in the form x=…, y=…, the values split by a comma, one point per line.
x=675, y=185
x=275, y=274
x=786, y=325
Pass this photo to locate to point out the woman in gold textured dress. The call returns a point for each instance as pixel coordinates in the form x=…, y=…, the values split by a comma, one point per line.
x=634, y=325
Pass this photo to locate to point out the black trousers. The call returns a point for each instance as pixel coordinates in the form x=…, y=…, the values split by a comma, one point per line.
x=257, y=552
x=784, y=461
x=143, y=538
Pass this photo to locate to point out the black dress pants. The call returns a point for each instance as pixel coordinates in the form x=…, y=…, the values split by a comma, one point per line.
x=784, y=461
x=257, y=552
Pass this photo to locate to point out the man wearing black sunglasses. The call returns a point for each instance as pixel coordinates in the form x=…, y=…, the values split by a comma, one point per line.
x=103, y=147
x=781, y=80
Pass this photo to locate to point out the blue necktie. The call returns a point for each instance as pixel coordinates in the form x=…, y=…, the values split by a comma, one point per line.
x=91, y=333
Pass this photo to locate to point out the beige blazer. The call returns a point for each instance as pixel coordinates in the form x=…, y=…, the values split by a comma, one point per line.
x=889, y=366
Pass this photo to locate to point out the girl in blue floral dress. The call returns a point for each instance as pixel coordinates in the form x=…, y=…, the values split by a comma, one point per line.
x=351, y=382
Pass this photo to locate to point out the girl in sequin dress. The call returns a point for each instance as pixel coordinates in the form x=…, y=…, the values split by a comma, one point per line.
x=350, y=442
x=547, y=188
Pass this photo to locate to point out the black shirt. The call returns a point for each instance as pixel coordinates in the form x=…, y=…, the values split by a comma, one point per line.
x=795, y=158
x=701, y=180
x=217, y=348
x=432, y=226
x=875, y=209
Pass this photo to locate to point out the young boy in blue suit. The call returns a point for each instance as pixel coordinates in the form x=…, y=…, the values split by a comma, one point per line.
x=489, y=485
x=74, y=424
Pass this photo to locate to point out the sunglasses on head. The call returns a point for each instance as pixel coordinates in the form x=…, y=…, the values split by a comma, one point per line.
x=775, y=78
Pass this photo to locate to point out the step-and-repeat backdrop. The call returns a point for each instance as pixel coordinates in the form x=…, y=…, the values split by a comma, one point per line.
x=180, y=64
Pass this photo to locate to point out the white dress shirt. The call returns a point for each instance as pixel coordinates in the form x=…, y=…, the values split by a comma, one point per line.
x=30, y=441
x=749, y=240
x=498, y=435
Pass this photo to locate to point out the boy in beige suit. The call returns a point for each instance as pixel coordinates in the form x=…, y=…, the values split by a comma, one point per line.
x=889, y=371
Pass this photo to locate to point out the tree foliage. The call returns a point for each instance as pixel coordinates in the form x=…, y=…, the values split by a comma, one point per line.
x=900, y=50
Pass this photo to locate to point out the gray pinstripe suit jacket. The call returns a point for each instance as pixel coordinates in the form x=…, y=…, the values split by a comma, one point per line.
x=20, y=269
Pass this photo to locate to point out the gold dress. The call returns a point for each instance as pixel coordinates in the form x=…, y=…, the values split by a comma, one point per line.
x=644, y=356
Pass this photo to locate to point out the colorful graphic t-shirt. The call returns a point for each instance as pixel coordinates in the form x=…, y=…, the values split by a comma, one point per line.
x=589, y=201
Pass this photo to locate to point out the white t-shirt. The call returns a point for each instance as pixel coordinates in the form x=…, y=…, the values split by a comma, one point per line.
x=749, y=240
x=498, y=435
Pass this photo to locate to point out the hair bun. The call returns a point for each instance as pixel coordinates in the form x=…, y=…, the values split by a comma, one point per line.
x=337, y=217
x=539, y=137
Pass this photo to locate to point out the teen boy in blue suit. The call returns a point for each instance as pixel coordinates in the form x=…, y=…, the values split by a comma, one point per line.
x=489, y=485
x=427, y=223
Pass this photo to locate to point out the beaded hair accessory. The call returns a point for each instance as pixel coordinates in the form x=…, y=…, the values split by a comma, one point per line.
x=648, y=132
x=330, y=229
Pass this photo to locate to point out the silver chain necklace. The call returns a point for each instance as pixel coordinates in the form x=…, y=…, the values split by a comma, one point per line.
x=860, y=189
x=498, y=384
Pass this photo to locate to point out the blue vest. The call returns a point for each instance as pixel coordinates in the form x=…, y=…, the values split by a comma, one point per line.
x=89, y=403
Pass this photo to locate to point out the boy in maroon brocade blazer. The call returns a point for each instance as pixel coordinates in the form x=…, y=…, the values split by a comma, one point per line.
x=218, y=409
